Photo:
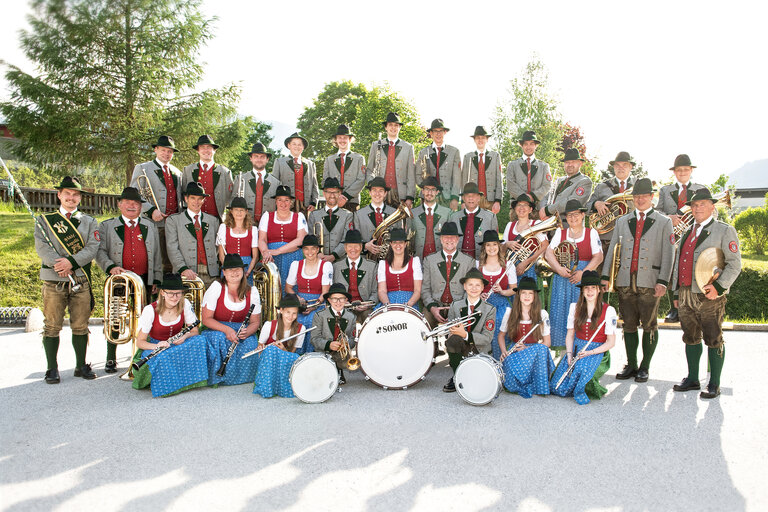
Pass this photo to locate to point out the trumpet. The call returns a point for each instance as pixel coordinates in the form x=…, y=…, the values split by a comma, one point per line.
x=124, y=299
x=254, y=352
x=145, y=189
x=353, y=363
x=723, y=199
x=360, y=303
x=443, y=329
x=311, y=304
x=618, y=205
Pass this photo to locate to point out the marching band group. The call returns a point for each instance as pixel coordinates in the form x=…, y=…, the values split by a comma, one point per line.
x=330, y=267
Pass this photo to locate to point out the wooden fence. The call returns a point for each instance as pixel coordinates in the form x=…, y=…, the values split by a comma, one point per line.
x=46, y=200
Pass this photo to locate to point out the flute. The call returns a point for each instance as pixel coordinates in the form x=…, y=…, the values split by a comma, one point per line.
x=578, y=356
x=521, y=340
x=254, y=352
x=223, y=368
x=158, y=350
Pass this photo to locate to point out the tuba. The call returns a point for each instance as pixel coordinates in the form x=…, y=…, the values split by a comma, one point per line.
x=615, y=265
x=380, y=236
x=145, y=189
x=567, y=255
x=618, y=205
x=266, y=279
x=124, y=300
x=193, y=292
x=530, y=244
x=722, y=199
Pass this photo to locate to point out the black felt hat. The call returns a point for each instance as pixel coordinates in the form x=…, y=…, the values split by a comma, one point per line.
x=527, y=283
x=529, y=135
x=195, y=188
x=238, y=202
x=392, y=118
x=474, y=273
x=131, y=194
x=289, y=300
x=643, y=186
x=480, y=130
x=574, y=205
x=431, y=181
x=490, y=236
x=449, y=229
x=589, y=278
x=260, y=149
x=470, y=188
x=310, y=241
x=172, y=282
x=525, y=198
x=572, y=154
x=283, y=191
x=343, y=129
x=337, y=288
x=622, y=156
x=378, y=181
x=164, y=141
x=397, y=235
x=295, y=135
x=353, y=236
x=682, y=160
x=702, y=193
x=232, y=261
x=205, y=139
x=331, y=183
x=71, y=183
x=438, y=124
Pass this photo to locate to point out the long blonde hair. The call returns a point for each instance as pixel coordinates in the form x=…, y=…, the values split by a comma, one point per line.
x=229, y=220
x=484, y=255
x=162, y=306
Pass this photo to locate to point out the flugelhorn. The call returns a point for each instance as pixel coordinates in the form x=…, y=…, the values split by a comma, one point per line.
x=124, y=300
x=615, y=264
x=618, y=205
x=444, y=329
x=722, y=199
x=353, y=363
x=145, y=189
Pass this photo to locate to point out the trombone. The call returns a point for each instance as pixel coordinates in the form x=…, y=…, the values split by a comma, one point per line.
x=444, y=329
x=145, y=189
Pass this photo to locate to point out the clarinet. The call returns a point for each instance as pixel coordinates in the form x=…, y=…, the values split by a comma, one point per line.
x=159, y=350
x=223, y=368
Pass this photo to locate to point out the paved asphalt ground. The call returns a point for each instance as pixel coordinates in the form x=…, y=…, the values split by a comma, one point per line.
x=102, y=446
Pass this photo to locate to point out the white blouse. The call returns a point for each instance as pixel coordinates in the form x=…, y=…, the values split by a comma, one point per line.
x=267, y=328
x=300, y=225
x=594, y=240
x=221, y=236
x=544, y=321
x=611, y=319
x=325, y=267
x=211, y=298
x=415, y=264
x=510, y=232
x=148, y=317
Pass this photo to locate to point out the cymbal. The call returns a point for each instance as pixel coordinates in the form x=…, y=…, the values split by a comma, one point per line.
x=709, y=259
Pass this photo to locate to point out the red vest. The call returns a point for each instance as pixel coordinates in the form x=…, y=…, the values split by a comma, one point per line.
x=161, y=332
x=272, y=331
x=586, y=331
x=241, y=246
x=224, y=314
x=685, y=270
x=503, y=282
x=312, y=285
x=171, y=202
x=400, y=282
x=134, y=251
x=522, y=330
x=585, y=246
x=282, y=232
x=209, y=205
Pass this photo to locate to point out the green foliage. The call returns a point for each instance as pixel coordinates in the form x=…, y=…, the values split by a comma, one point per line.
x=748, y=296
x=637, y=172
x=720, y=184
x=100, y=179
x=255, y=132
x=752, y=227
x=113, y=75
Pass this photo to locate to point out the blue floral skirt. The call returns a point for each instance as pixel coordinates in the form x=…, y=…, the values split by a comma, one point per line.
x=273, y=373
x=563, y=295
x=531, y=272
x=501, y=304
x=305, y=319
x=176, y=369
x=283, y=261
x=527, y=371
x=239, y=371
x=584, y=380
x=398, y=298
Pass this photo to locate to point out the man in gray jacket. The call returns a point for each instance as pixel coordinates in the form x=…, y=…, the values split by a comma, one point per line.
x=298, y=173
x=357, y=274
x=527, y=174
x=483, y=167
x=331, y=222
x=392, y=159
x=215, y=178
x=428, y=219
x=347, y=167
x=645, y=258
x=257, y=186
x=443, y=162
x=574, y=185
x=473, y=221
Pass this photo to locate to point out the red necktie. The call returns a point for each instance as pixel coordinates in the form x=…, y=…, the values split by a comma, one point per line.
x=379, y=217
x=69, y=215
x=201, y=258
x=429, y=239
x=481, y=175
x=131, y=224
x=353, y=282
x=529, y=175
x=437, y=167
x=622, y=188
x=682, y=197
x=447, y=298
x=298, y=179
x=259, y=206
x=342, y=170
x=336, y=328
x=390, y=177
x=471, y=309
x=170, y=188
x=468, y=244
x=636, y=247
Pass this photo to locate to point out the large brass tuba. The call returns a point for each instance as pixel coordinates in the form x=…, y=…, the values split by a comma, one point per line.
x=530, y=244
x=193, y=292
x=722, y=199
x=124, y=300
x=381, y=234
x=618, y=205
x=266, y=279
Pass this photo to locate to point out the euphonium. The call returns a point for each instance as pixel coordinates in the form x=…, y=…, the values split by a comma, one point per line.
x=193, y=292
x=381, y=234
x=618, y=205
x=615, y=264
x=124, y=300
x=145, y=189
x=567, y=255
x=266, y=279
x=723, y=199
x=530, y=244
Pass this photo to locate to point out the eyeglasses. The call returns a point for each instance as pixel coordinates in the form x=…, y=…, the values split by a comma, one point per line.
x=173, y=294
x=337, y=299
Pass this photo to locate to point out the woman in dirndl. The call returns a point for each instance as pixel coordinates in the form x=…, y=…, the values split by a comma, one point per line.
x=309, y=279
x=591, y=334
x=183, y=365
x=399, y=273
x=238, y=235
x=523, y=206
x=281, y=233
x=501, y=280
x=585, y=253
x=225, y=309
x=526, y=361
x=277, y=357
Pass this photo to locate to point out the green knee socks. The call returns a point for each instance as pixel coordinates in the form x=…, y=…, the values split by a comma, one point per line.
x=693, y=356
x=631, y=342
x=716, y=361
x=111, y=351
x=453, y=360
x=650, y=340
x=80, y=344
x=51, y=346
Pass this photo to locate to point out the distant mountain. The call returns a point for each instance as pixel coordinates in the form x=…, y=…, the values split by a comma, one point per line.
x=751, y=175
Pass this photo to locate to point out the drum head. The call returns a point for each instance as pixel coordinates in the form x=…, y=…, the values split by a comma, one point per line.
x=478, y=379
x=391, y=350
x=314, y=378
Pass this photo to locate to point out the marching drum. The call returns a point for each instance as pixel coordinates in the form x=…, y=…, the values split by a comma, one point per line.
x=391, y=349
x=314, y=377
x=479, y=379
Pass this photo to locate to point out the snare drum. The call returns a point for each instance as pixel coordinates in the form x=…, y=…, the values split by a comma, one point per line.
x=314, y=377
x=479, y=379
x=391, y=349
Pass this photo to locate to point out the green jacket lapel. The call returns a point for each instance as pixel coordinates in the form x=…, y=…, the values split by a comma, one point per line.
x=159, y=171
x=190, y=225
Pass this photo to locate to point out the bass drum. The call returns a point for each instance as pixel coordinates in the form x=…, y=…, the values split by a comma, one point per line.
x=314, y=377
x=479, y=379
x=392, y=352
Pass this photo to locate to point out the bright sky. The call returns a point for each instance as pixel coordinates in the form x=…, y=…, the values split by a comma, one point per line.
x=653, y=78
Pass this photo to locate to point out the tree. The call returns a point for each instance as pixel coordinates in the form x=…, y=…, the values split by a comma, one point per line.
x=637, y=172
x=114, y=74
x=258, y=132
x=752, y=227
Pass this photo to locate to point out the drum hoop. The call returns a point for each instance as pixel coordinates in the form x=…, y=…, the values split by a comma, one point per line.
x=494, y=365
